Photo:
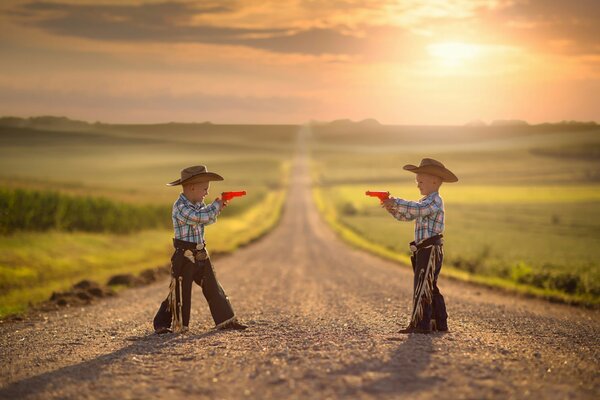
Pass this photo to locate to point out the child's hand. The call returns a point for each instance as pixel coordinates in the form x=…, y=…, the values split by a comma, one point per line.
x=222, y=203
x=389, y=204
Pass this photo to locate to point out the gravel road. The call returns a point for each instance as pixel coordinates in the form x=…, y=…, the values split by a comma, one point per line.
x=323, y=319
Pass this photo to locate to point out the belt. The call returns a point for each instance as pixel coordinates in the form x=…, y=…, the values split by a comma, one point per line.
x=431, y=241
x=182, y=244
x=193, y=251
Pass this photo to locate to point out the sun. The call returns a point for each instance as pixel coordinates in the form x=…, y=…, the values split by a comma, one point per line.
x=453, y=54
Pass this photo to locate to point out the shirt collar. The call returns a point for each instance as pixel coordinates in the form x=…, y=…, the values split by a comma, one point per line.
x=187, y=201
x=433, y=194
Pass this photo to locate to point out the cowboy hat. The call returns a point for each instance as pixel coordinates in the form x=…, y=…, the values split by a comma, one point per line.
x=197, y=173
x=432, y=167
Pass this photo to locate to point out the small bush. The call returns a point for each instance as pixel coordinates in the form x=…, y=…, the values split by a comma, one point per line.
x=349, y=208
x=547, y=276
x=566, y=282
x=468, y=265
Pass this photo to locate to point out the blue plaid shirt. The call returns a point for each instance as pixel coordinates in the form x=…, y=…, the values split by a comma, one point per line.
x=190, y=218
x=428, y=214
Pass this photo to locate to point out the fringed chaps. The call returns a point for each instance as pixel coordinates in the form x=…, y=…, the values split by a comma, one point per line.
x=423, y=292
x=188, y=267
x=176, y=302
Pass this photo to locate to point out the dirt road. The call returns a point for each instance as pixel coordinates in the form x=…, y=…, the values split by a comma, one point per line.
x=323, y=320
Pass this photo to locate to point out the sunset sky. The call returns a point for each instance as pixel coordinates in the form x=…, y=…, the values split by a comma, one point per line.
x=400, y=62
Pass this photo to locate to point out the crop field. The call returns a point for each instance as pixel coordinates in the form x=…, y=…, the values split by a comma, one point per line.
x=85, y=201
x=524, y=215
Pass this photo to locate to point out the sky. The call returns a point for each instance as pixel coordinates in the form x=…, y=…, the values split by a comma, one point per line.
x=401, y=62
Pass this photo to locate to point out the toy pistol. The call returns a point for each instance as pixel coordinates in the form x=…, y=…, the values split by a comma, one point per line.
x=226, y=196
x=380, y=195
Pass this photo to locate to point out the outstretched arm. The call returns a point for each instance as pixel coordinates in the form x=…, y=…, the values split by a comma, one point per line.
x=395, y=210
x=206, y=214
x=409, y=210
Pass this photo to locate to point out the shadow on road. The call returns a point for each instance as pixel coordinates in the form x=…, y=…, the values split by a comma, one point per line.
x=400, y=373
x=92, y=369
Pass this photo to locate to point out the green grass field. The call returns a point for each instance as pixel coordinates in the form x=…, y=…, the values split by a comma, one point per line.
x=525, y=214
x=131, y=164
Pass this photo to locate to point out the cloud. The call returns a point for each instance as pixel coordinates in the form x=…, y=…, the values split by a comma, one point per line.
x=569, y=27
x=168, y=22
x=313, y=41
x=173, y=22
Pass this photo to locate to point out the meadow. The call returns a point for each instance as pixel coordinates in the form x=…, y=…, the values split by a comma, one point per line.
x=101, y=173
x=525, y=214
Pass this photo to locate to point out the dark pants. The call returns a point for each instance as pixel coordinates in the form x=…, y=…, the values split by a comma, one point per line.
x=436, y=309
x=203, y=274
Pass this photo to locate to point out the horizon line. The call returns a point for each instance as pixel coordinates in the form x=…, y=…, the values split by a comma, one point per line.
x=474, y=123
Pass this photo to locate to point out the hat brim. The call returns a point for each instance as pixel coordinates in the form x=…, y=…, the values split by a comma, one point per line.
x=441, y=172
x=203, y=177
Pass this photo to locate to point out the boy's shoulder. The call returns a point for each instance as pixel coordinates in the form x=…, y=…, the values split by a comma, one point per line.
x=182, y=201
x=435, y=198
x=439, y=200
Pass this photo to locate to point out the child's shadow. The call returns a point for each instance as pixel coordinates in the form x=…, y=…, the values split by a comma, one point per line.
x=402, y=373
x=92, y=369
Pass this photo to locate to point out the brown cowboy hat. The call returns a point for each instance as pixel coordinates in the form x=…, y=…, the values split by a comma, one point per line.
x=197, y=173
x=432, y=167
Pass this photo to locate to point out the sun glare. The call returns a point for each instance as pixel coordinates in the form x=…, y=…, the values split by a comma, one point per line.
x=453, y=54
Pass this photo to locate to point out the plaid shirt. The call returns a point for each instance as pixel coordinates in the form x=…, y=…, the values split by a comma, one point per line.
x=189, y=219
x=428, y=214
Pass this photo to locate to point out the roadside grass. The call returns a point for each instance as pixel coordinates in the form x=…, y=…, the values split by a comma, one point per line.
x=525, y=215
x=35, y=264
x=478, y=253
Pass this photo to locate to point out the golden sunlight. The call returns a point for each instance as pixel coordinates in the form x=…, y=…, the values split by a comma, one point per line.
x=453, y=54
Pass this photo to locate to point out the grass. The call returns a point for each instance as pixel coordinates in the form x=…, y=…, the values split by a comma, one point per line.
x=475, y=260
x=133, y=163
x=525, y=215
x=129, y=165
x=33, y=265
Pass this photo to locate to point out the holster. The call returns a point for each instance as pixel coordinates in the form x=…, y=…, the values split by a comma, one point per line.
x=192, y=251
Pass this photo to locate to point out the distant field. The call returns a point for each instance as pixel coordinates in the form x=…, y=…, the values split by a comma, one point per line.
x=525, y=212
x=130, y=164
x=133, y=163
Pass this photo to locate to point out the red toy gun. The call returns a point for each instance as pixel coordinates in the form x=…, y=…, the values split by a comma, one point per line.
x=380, y=195
x=226, y=196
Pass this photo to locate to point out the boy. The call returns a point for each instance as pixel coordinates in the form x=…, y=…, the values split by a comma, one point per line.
x=190, y=262
x=427, y=248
